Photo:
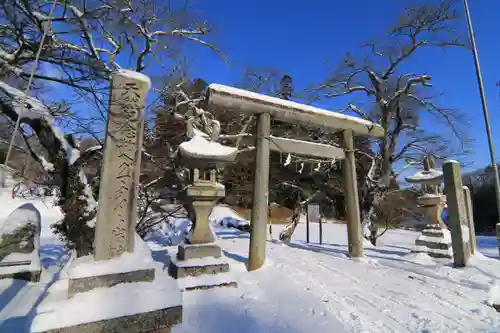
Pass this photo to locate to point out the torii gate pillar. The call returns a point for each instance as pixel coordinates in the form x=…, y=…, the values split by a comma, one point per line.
x=354, y=237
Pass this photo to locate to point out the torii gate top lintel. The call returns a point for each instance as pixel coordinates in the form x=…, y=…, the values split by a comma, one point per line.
x=239, y=100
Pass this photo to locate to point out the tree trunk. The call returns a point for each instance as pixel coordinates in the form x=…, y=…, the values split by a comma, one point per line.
x=76, y=229
x=374, y=189
x=75, y=199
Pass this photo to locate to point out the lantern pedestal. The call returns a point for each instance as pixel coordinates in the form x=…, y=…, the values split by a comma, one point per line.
x=200, y=265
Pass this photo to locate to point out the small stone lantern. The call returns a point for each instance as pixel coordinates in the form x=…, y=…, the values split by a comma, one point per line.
x=202, y=256
x=435, y=239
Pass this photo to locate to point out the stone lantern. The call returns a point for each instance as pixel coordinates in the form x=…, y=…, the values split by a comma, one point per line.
x=435, y=239
x=202, y=256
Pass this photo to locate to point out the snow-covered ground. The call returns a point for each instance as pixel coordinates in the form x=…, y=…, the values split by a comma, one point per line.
x=308, y=287
x=305, y=287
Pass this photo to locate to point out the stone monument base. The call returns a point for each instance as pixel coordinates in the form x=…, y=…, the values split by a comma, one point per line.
x=200, y=266
x=86, y=274
x=21, y=266
x=87, y=283
x=137, y=307
x=197, y=251
x=125, y=294
x=434, y=241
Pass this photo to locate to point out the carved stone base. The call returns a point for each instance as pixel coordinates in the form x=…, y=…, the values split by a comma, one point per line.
x=434, y=241
x=159, y=321
x=26, y=275
x=80, y=285
x=200, y=267
x=86, y=273
x=196, y=267
x=137, y=307
x=21, y=266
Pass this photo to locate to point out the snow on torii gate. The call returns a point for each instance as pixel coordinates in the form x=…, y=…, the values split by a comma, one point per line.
x=265, y=107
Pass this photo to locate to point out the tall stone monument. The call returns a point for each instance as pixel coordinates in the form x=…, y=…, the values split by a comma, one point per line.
x=122, y=267
x=115, y=227
x=457, y=212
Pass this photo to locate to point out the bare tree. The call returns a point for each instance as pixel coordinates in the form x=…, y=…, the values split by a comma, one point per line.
x=401, y=99
x=86, y=41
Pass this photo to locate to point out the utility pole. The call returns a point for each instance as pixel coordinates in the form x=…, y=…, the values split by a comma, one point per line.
x=485, y=113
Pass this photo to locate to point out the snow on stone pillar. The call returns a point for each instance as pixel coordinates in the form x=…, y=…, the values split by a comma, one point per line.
x=470, y=219
x=352, y=201
x=457, y=213
x=116, y=217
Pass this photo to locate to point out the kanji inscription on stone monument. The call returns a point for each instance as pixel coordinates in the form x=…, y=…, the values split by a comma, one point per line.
x=116, y=216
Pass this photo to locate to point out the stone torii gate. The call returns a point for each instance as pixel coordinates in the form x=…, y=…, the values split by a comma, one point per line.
x=265, y=107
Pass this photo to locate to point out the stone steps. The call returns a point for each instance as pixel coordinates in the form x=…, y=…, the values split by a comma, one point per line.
x=433, y=245
x=231, y=284
x=438, y=254
x=200, y=267
x=434, y=241
x=181, y=269
x=433, y=233
x=207, y=282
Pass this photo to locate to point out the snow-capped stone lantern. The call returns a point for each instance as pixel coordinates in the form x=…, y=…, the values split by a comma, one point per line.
x=435, y=239
x=203, y=154
x=202, y=256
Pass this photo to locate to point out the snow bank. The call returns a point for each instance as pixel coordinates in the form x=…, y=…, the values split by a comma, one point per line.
x=494, y=295
x=223, y=215
x=301, y=288
x=172, y=232
x=421, y=259
x=176, y=230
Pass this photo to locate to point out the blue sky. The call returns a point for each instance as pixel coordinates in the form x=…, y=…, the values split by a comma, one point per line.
x=301, y=37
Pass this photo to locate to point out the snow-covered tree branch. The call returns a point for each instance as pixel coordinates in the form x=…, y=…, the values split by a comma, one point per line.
x=401, y=100
x=85, y=41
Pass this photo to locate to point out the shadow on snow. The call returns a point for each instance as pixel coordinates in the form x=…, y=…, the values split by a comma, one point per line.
x=50, y=256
